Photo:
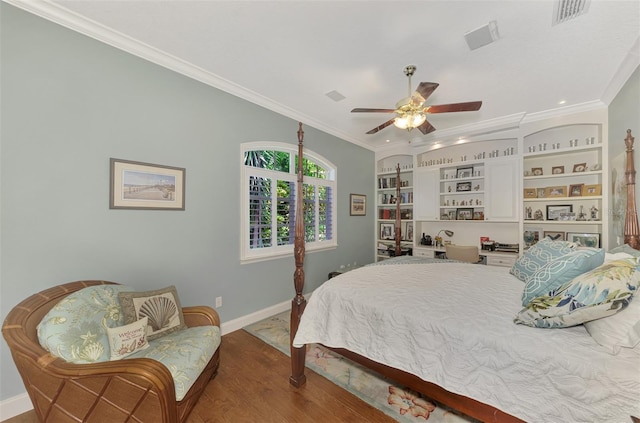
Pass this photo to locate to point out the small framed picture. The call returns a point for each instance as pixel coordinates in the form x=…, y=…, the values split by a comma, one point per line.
x=478, y=215
x=138, y=185
x=575, y=190
x=464, y=172
x=584, y=239
x=558, y=191
x=579, y=167
x=554, y=211
x=358, y=205
x=387, y=231
x=554, y=235
x=557, y=170
x=464, y=214
x=463, y=186
x=591, y=190
x=530, y=193
x=541, y=192
x=407, y=234
x=537, y=171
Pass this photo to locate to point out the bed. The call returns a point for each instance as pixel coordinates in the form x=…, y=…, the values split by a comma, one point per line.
x=456, y=342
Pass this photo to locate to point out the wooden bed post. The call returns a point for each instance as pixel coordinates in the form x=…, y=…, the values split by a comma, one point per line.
x=631, y=232
x=298, y=303
x=398, y=220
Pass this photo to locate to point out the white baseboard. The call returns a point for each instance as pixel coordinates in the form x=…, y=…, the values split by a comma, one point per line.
x=21, y=403
x=15, y=406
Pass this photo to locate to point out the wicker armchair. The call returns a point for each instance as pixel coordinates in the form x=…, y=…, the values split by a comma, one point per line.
x=132, y=390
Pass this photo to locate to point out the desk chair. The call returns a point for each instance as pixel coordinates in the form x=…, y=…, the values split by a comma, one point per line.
x=466, y=253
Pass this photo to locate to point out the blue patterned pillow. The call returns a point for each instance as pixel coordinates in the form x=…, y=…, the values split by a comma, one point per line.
x=538, y=255
x=602, y=292
x=559, y=271
x=75, y=328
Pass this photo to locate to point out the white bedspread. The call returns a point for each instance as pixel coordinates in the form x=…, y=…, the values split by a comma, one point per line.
x=452, y=324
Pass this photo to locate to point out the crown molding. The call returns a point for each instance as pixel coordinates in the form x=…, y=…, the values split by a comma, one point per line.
x=564, y=111
x=622, y=75
x=75, y=22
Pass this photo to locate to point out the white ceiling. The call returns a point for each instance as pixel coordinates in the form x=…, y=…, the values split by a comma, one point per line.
x=286, y=55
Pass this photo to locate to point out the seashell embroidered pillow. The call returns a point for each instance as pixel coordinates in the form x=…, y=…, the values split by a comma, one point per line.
x=161, y=306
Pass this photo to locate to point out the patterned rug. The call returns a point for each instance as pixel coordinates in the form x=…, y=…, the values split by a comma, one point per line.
x=393, y=399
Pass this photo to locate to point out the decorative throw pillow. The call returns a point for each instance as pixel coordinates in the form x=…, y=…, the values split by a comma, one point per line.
x=127, y=339
x=161, y=306
x=75, y=328
x=559, y=271
x=538, y=255
x=599, y=293
x=625, y=248
x=622, y=330
x=616, y=256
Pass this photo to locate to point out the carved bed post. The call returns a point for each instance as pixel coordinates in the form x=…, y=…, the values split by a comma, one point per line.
x=298, y=303
x=398, y=220
x=631, y=232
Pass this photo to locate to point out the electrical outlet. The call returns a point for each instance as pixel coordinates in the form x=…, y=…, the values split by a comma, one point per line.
x=218, y=302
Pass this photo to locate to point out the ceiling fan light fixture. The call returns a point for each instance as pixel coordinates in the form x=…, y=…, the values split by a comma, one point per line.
x=409, y=119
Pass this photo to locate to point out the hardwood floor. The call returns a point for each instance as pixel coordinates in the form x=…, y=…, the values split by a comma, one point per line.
x=253, y=385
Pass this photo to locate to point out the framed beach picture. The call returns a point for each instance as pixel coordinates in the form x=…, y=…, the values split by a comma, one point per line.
x=138, y=185
x=554, y=212
x=557, y=191
x=584, y=239
x=591, y=190
x=357, y=205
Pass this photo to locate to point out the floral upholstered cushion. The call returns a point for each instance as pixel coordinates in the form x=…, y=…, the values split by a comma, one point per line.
x=75, y=328
x=185, y=353
x=538, y=255
x=599, y=293
x=561, y=270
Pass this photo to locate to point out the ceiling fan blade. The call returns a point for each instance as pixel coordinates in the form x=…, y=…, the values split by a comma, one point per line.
x=454, y=107
x=426, y=127
x=365, y=110
x=426, y=88
x=378, y=128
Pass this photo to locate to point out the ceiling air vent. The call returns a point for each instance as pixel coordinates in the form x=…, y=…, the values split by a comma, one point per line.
x=563, y=10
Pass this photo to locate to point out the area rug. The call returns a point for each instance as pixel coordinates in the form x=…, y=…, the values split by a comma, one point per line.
x=394, y=400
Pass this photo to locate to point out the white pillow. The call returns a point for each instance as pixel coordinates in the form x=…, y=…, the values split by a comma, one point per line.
x=127, y=339
x=622, y=330
x=615, y=256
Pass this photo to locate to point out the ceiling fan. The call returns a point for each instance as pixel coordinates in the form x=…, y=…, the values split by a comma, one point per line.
x=411, y=111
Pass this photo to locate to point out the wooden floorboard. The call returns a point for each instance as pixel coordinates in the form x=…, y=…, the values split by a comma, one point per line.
x=253, y=385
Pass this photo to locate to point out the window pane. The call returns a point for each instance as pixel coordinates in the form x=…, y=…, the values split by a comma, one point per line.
x=324, y=213
x=259, y=212
x=310, y=168
x=268, y=159
x=309, y=212
x=285, y=213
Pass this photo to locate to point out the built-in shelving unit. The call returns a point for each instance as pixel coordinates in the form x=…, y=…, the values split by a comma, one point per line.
x=389, y=192
x=563, y=184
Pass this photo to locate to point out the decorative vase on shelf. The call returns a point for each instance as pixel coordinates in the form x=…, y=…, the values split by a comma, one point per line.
x=529, y=237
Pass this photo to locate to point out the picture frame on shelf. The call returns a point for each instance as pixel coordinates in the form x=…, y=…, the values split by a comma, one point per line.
x=575, y=190
x=464, y=172
x=537, y=171
x=387, y=231
x=557, y=170
x=357, y=205
x=464, y=214
x=407, y=234
x=463, y=186
x=584, y=239
x=541, y=192
x=530, y=193
x=579, y=167
x=554, y=211
x=478, y=215
x=556, y=191
x=555, y=235
x=591, y=190
x=145, y=186
x=567, y=216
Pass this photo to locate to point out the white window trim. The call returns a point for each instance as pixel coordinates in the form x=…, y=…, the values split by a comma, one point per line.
x=248, y=255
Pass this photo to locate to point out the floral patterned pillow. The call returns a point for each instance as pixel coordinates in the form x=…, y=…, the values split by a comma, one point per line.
x=599, y=293
x=75, y=329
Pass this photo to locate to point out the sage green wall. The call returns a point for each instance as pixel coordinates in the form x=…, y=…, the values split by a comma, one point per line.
x=624, y=113
x=69, y=103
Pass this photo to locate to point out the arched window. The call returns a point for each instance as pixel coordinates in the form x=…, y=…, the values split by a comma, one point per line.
x=268, y=200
